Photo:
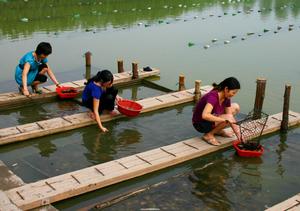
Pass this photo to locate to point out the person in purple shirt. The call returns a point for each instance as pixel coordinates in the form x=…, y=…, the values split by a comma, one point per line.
x=215, y=111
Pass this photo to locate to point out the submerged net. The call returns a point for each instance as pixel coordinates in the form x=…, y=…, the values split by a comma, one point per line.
x=251, y=128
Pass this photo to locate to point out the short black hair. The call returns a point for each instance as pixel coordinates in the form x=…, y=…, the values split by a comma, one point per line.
x=43, y=48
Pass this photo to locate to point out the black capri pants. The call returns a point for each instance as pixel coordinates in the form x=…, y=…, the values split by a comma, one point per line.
x=107, y=100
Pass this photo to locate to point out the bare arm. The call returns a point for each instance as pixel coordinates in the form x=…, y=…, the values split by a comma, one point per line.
x=52, y=76
x=206, y=114
x=24, y=78
x=96, y=104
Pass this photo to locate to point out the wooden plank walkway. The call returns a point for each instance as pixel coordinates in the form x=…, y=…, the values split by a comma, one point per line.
x=69, y=122
x=15, y=99
x=291, y=204
x=9, y=180
x=78, y=182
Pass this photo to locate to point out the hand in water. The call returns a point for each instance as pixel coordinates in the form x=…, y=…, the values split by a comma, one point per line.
x=104, y=129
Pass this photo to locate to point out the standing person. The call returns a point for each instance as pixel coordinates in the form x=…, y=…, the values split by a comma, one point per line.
x=32, y=69
x=214, y=111
x=99, y=95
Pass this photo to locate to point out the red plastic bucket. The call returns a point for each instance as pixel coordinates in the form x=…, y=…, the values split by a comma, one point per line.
x=247, y=153
x=129, y=108
x=66, y=92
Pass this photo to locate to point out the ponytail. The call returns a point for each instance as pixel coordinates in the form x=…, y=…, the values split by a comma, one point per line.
x=102, y=76
x=231, y=83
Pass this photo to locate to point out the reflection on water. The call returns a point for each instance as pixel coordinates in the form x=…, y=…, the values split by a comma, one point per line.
x=282, y=146
x=37, y=112
x=225, y=181
x=91, y=15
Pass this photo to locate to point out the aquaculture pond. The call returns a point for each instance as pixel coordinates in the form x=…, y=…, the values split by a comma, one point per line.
x=206, y=40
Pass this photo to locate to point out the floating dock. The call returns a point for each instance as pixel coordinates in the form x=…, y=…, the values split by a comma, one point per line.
x=291, y=204
x=15, y=99
x=69, y=122
x=71, y=184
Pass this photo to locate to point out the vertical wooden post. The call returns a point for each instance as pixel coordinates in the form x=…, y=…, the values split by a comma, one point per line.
x=88, y=59
x=87, y=72
x=285, y=113
x=135, y=73
x=134, y=93
x=88, y=65
x=120, y=66
x=197, y=91
x=259, y=98
x=181, y=83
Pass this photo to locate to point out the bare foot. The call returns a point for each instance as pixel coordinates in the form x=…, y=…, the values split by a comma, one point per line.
x=223, y=133
x=211, y=140
x=91, y=115
x=113, y=113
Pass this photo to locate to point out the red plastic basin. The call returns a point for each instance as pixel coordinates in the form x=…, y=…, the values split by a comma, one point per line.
x=247, y=153
x=66, y=92
x=129, y=108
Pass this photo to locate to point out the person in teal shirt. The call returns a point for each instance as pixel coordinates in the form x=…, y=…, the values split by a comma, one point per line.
x=32, y=69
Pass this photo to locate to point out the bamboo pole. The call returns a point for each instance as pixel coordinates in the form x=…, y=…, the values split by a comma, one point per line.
x=181, y=83
x=259, y=98
x=120, y=66
x=135, y=73
x=285, y=114
x=197, y=91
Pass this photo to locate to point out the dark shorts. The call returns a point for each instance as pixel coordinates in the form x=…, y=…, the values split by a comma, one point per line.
x=203, y=126
x=41, y=77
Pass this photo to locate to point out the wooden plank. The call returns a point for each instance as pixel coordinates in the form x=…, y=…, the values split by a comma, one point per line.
x=291, y=204
x=69, y=122
x=71, y=184
x=15, y=99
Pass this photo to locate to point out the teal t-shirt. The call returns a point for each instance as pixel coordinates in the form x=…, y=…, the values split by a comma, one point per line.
x=33, y=71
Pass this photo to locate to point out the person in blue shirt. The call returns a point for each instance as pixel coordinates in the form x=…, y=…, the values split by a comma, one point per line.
x=32, y=69
x=99, y=94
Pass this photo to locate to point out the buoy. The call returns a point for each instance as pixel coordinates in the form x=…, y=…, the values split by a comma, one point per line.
x=24, y=19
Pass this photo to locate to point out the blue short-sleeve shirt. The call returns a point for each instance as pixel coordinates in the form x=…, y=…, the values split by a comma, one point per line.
x=91, y=91
x=33, y=71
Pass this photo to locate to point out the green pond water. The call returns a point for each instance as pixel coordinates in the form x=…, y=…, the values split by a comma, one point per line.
x=178, y=37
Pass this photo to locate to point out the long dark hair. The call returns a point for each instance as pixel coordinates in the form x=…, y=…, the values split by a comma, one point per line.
x=102, y=76
x=231, y=83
